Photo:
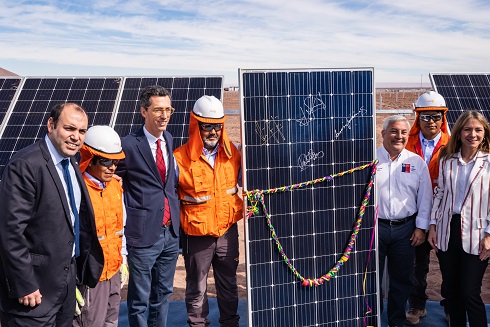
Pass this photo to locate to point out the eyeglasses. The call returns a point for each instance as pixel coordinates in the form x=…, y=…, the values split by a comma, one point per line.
x=107, y=162
x=210, y=127
x=427, y=117
x=159, y=111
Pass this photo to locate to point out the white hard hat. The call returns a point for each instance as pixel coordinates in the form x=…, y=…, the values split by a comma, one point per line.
x=103, y=139
x=430, y=99
x=208, y=106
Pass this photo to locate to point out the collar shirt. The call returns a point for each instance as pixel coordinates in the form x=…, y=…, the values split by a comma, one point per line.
x=152, y=141
x=95, y=180
x=211, y=155
x=462, y=178
x=428, y=146
x=57, y=158
x=403, y=187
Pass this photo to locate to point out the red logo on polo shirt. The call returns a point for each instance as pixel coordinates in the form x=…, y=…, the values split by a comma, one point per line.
x=405, y=168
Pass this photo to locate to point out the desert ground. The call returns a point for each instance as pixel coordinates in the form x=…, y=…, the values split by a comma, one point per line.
x=392, y=100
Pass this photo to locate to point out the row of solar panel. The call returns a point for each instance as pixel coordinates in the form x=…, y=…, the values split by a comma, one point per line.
x=25, y=104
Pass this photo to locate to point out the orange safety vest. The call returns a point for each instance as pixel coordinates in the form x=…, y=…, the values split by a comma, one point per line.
x=414, y=145
x=209, y=197
x=108, y=210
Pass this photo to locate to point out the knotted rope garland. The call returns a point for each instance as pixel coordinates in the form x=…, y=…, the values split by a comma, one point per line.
x=257, y=196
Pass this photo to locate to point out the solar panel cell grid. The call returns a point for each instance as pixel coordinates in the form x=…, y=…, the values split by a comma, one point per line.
x=462, y=92
x=300, y=126
x=27, y=122
x=8, y=90
x=184, y=92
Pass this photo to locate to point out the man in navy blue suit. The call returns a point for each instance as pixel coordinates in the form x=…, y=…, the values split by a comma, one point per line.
x=152, y=208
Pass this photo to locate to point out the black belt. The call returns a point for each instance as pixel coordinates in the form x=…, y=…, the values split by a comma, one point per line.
x=395, y=222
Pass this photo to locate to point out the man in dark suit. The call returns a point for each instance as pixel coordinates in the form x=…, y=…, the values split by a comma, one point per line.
x=39, y=245
x=152, y=208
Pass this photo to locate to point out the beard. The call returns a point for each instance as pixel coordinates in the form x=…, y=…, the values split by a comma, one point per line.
x=210, y=144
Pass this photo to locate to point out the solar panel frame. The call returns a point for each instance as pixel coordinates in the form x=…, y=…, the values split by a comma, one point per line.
x=26, y=122
x=184, y=90
x=270, y=108
x=463, y=91
x=9, y=90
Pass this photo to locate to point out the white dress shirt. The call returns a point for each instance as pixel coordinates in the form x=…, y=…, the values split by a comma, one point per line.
x=152, y=141
x=57, y=158
x=403, y=187
x=462, y=179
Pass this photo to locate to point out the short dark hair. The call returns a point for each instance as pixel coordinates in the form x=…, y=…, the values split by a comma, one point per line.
x=150, y=91
x=57, y=109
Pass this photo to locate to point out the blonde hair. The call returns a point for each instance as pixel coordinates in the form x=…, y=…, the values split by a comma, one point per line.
x=454, y=144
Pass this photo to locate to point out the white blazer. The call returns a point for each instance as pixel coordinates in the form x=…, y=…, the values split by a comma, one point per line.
x=475, y=210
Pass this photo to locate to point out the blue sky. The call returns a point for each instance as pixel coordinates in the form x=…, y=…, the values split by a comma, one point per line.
x=403, y=40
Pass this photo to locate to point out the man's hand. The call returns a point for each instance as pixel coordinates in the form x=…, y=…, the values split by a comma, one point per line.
x=484, y=247
x=32, y=299
x=124, y=274
x=118, y=178
x=432, y=237
x=79, y=303
x=418, y=237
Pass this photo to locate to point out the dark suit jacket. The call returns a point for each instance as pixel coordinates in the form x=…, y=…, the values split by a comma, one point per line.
x=144, y=192
x=36, y=234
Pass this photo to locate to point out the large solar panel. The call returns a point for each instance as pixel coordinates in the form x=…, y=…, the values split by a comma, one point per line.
x=463, y=91
x=184, y=92
x=308, y=151
x=27, y=121
x=8, y=88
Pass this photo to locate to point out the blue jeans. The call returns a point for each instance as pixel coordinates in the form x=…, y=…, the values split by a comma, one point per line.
x=395, y=244
x=151, y=276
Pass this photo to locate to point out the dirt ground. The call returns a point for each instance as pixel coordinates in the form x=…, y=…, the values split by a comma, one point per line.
x=386, y=100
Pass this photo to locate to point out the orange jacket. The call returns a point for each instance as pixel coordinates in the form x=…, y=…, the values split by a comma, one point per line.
x=108, y=212
x=209, y=197
x=414, y=145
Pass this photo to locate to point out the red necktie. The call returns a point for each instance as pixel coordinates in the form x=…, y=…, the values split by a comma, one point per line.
x=162, y=170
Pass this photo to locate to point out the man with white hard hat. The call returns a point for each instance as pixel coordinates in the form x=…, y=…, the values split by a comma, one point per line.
x=100, y=155
x=429, y=134
x=209, y=171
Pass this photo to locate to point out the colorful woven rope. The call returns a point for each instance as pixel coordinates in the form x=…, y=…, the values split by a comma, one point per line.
x=256, y=197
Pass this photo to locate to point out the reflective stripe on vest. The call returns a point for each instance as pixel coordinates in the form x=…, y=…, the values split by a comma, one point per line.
x=203, y=199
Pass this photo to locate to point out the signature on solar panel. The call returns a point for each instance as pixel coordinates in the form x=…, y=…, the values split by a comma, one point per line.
x=311, y=105
x=269, y=130
x=361, y=112
x=306, y=158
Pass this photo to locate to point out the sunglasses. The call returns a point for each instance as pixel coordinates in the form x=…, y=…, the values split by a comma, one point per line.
x=107, y=162
x=434, y=117
x=210, y=127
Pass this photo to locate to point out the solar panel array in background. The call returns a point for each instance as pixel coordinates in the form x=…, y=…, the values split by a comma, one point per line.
x=300, y=126
x=27, y=121
x=110, y=101
x=462, y=92
x=184, y=92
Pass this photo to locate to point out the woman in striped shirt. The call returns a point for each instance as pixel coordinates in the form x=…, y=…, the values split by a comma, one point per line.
x=459, y=226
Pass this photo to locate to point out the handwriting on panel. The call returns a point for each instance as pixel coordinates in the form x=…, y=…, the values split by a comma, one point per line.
x=311, y=105
x=361, y=112
x=270, y=130
x=307, y=158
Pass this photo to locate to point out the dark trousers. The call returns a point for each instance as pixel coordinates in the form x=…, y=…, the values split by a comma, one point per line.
x=151, y=280
x=395, y=245
x=60, y=316
x=102, y=302
x=464, y=273
x=200, y=252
